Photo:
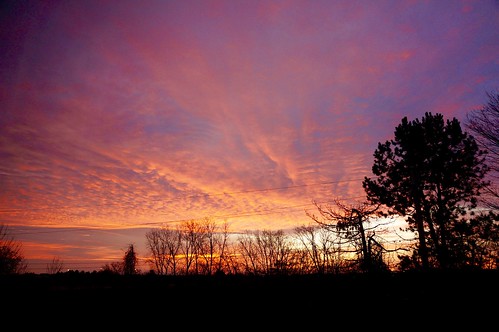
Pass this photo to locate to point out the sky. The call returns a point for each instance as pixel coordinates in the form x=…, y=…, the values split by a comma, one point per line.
x=120, y=116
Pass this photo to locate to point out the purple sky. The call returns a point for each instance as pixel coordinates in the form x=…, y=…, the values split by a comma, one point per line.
x=129, y=114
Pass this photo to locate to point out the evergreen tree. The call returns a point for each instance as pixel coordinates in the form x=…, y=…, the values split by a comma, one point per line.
x=432, y=173
x=130, y=261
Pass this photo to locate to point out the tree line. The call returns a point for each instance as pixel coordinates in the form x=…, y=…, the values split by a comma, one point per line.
x=436, y=176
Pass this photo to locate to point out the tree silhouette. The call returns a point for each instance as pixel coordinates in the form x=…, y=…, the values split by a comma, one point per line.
x=164, y=245
x=130, y=261
x=320, y=249
x=55, y=266
x=484, y=123
x=11, y=258
x=211, y=246
x=266, y=252
x=113, y=268
x=192, y=237
x=432, y=172
x=352, y=225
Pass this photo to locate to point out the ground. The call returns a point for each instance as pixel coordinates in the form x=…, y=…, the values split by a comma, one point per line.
x=461, y=298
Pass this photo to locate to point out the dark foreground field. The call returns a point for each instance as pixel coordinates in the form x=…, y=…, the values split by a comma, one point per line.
x=459, y=299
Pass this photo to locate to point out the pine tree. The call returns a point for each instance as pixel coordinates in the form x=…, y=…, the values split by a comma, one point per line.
x=432, y=173
x=130, y=261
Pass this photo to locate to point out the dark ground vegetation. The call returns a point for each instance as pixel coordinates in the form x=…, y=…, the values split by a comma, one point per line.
x=450, y=297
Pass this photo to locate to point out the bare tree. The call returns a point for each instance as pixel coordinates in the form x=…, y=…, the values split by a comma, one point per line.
x=266, y=252
x=231, y=260
x=222, y=246
x=173, y=242
x=213, y=245
x=11, y=258
x=318, y=246
x=113, y=267
x=164, y=245
x=207, y=245
x=351, y=224
x=194, y=247
x=55, y=266
x=484, y=124
x=193, y=235
x=158, y=250
x=249, y=253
